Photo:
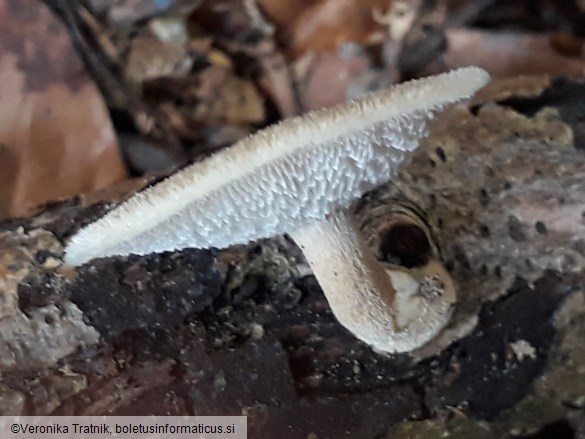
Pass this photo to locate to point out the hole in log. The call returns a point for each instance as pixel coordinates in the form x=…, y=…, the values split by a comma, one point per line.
x=406, y=244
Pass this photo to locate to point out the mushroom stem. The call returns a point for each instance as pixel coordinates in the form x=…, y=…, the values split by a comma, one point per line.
x=357, y=287
x=361, y=293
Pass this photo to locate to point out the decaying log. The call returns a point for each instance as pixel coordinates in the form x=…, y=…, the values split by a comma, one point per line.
x=497, y=190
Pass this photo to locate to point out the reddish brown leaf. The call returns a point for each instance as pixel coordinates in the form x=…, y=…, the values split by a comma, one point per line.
x=56, y=139
x=324, y=24
x=329, y=77
x=506, y=54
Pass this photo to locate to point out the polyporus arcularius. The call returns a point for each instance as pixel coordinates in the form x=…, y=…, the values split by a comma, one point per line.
x=299, y=177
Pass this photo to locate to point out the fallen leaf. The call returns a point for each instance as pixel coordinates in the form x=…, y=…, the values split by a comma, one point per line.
x=328, y=78
x=56, y=139
x=150, y=58
x=216, y=94
x=275, y=78
x=323, y=25
x=229, y=97
x=506, y=54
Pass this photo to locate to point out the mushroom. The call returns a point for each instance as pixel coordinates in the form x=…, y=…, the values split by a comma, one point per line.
x=300, y=177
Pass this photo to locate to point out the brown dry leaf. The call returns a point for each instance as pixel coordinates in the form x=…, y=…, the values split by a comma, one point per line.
x=506, y=54
x=327, y=77
x=323, y=25
x=275, y=78
x=399, y=17
x=224, y=96
x=245, y=33
x=215, y=95
x=56, y=139
x=150, y=58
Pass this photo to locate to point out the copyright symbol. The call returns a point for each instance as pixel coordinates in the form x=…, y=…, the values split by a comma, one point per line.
x=14, y=428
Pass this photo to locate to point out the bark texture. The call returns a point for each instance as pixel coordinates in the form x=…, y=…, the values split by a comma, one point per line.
x=499, y=187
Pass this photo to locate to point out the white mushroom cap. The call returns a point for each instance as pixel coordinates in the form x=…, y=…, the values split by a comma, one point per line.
x=280, y=178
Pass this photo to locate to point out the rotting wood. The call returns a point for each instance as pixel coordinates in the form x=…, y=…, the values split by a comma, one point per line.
x=268, y=347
